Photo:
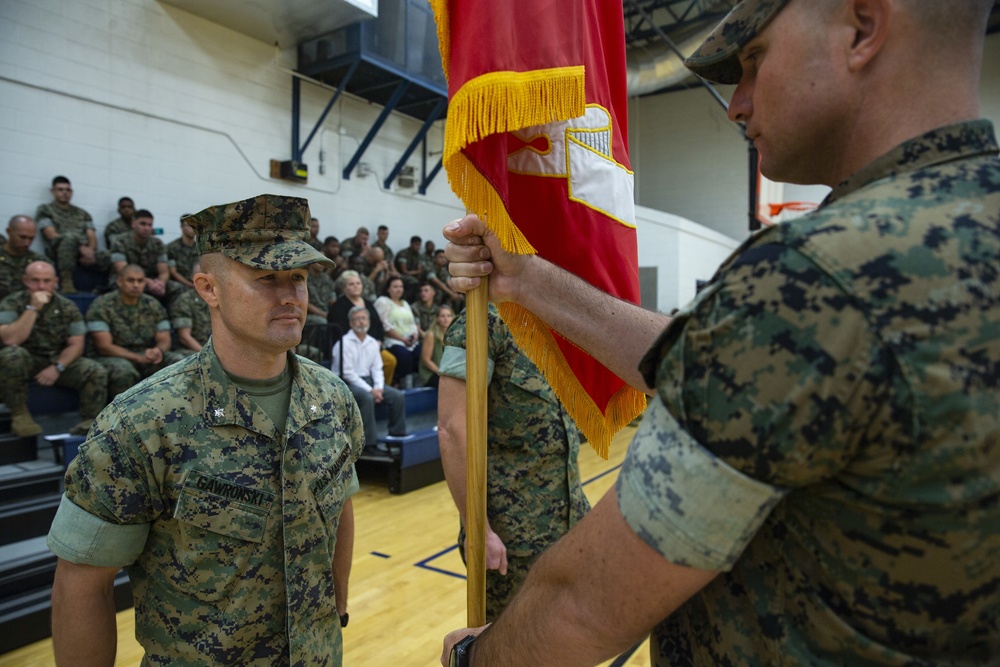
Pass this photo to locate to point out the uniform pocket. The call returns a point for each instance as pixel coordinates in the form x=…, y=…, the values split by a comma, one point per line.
x=220, y=525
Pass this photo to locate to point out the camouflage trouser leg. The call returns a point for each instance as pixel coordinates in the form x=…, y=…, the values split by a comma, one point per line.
x=122, y=374
x=18, y=368
x=67, y=250
x=90, y=379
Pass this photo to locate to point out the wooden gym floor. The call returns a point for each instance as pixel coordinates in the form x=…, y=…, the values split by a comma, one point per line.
x=407, y=584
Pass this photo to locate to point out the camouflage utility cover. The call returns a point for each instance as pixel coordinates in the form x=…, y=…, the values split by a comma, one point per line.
x=226, y=522
x=266, y=232
x=827, y=435
x=717, y=58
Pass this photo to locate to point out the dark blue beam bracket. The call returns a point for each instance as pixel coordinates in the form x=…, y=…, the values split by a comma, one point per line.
x=297, y=150
x=430, y=177
x=397, y=95
x=435, y=113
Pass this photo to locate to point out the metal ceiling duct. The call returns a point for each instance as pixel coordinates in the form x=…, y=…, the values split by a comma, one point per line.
x=654, y=67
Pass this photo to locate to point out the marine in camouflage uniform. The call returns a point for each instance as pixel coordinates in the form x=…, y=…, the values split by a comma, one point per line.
x=114, y=229
x=223, y=497
x=49, y=343
x=75, y=228
x=189, y=311
x=322, y=294
x=12, y=266
x=148, y=253
x=533, y=494
x=809, y=390
x=195, y=490
x=133, y=328
x=182, y=257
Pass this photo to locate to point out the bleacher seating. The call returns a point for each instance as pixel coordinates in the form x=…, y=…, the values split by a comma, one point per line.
x=412, y=461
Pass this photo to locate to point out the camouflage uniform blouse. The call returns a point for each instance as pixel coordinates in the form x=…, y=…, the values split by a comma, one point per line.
x=226, y=523
x=12, y=270
x=126, y=248
x=190, y=310
x=183, y=257
x=827, y=425
x=533, y=491
x=57, y=321
x=132, y=327
x=66, y=220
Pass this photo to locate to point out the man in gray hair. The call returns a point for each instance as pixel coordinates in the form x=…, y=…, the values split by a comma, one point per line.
x=360, y=367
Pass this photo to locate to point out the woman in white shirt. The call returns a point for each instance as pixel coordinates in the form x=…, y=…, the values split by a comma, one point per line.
x=401, y=335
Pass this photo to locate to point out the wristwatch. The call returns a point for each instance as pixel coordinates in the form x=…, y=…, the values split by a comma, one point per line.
x=344, y=618
x=30, y=307
x=59, y=367
x=461, y=653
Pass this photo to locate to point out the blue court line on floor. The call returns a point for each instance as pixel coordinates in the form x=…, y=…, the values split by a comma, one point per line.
x=380, y=555
x=606, y=472
x=424, y=563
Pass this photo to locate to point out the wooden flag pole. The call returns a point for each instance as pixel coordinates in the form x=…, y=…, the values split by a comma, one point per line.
x=477, y=339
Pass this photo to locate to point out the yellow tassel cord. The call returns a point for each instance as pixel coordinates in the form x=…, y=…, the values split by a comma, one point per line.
x=535, y=340
x=504, y=102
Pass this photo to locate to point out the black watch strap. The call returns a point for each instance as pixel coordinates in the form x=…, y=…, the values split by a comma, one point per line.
x=344, y=618
x=461, y=653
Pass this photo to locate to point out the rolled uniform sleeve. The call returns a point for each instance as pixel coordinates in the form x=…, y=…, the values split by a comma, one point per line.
x=109, y=503
x=756, y=396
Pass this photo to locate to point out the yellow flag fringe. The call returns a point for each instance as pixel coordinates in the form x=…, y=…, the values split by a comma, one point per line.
x=507, y=101
x=536, y=340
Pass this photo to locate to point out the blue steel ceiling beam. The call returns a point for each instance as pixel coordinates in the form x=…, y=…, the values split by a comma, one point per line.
x=397, y=95
x=430, y=177
x=298, y=151
x=435, y=113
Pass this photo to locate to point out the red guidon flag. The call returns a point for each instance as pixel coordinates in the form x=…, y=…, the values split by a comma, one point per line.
x=536, y=145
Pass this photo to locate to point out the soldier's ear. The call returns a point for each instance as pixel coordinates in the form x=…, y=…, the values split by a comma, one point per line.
x=205, y=284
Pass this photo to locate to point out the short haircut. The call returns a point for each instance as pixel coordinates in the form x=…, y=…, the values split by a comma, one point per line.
x=122, y=200
x=132, y=268
x=381, y=227
x=355, y=310
x=143, y=213
x=60, y=179
x=362, y=230
x=330, y=239
x=415, y=239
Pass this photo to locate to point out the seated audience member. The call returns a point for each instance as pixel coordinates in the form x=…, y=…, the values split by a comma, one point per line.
x=357, y=359
x=322, y=294
x=130, y=331
x=140, y=248
x=382, y=235
x=439, y=278
x=377, y=269
x=331, y=250
x=357, y=264
x=182, y=255
x=425, y=307
x=44, y=336
x=122, y=224
x=428, y=257
x=16, y=254
x=432, y=346
x=356, y=245
x=410, y=265
x=313, y=239
x=401, y=334
x=70, y=238
x=191, y=320
x=351, y=296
